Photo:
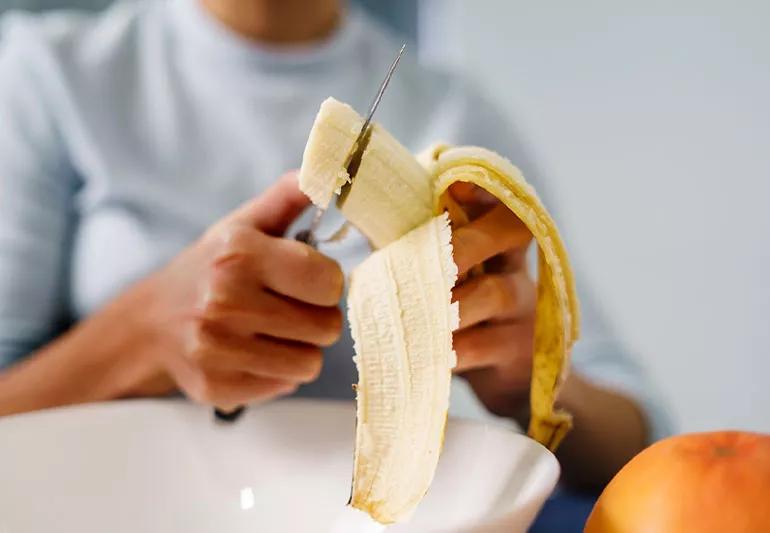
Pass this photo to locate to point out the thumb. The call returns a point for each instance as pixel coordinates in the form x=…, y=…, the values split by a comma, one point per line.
x=474, y=200
x=277, y=207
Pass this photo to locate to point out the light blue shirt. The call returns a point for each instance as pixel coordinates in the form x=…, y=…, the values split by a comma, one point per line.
x=123, y=136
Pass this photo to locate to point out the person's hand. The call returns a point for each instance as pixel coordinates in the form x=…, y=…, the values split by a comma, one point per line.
x=242, y=313
x=497, y=305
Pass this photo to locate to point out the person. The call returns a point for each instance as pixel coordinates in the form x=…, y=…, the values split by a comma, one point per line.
x=145, y=242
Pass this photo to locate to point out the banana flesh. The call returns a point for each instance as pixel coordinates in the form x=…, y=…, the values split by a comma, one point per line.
x=399, y=298
x=328, y=150
x=402, y=331
x=393, y=192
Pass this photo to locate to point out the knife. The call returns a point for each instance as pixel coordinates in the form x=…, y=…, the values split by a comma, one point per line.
x=309, y=235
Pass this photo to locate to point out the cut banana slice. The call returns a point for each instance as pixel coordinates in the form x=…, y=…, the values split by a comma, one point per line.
x=328, y=150
x=402, y=318
x=399, y=299
x=393, y=192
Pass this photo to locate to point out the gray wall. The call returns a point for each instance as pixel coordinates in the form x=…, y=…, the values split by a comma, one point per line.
x=651, y=121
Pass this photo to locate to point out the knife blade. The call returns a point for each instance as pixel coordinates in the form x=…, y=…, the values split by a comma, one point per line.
x=308, y=236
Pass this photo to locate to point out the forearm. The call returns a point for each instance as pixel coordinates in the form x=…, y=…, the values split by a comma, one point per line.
x=110, y=355
x=609, y=429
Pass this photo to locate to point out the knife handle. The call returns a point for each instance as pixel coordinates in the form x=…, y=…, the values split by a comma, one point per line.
x=229, y=416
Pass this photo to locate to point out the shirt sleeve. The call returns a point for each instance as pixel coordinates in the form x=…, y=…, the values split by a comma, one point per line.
x=599, y=356
x=36, y=191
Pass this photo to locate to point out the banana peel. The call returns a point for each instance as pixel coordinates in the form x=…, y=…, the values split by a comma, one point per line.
x=399, y=298
x=557, y=322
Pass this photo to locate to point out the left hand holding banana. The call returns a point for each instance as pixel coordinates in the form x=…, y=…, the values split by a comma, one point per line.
x=497, y=305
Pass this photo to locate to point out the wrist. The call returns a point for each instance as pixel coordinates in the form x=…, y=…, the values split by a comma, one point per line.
x=609, y=429
x=133, y=358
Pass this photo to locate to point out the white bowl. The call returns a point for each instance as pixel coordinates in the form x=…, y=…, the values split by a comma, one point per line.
x=165, y=466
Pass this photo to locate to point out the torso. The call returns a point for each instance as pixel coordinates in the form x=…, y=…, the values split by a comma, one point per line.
x=171, y=122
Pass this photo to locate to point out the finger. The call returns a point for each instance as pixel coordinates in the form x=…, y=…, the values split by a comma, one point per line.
x=296, y=270
x=506, y=344
x=245, y=312
x=495, y=297
x=212, y=348
x=466, y=201
x=508, y=262
x=230, y=390
x=249, y=258
x=495, y=232
x=502, y=395
x=473, y=199
x=277, y=207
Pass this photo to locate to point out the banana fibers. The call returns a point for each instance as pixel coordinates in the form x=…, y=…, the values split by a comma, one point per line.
x=399, y=300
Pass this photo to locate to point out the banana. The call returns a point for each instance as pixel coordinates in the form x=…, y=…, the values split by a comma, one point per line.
x=328, y=150
x=391, y=185
x=402, y=331
x=399, y=299
x=557, y=324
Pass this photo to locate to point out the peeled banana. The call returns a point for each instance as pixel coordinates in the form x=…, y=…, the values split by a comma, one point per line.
x=402, y=332
x=393, y=192
x=399, y=299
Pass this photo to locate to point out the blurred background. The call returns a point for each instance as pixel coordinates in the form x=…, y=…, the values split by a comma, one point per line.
x=651, y=123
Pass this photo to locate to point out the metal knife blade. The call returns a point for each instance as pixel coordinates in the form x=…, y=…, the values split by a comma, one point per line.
x=308, y=235
x=360, y=144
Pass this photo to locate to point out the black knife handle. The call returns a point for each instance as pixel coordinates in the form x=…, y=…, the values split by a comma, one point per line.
x=229, y=416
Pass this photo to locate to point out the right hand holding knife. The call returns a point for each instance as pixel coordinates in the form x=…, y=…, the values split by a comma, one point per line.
x=249, y=309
